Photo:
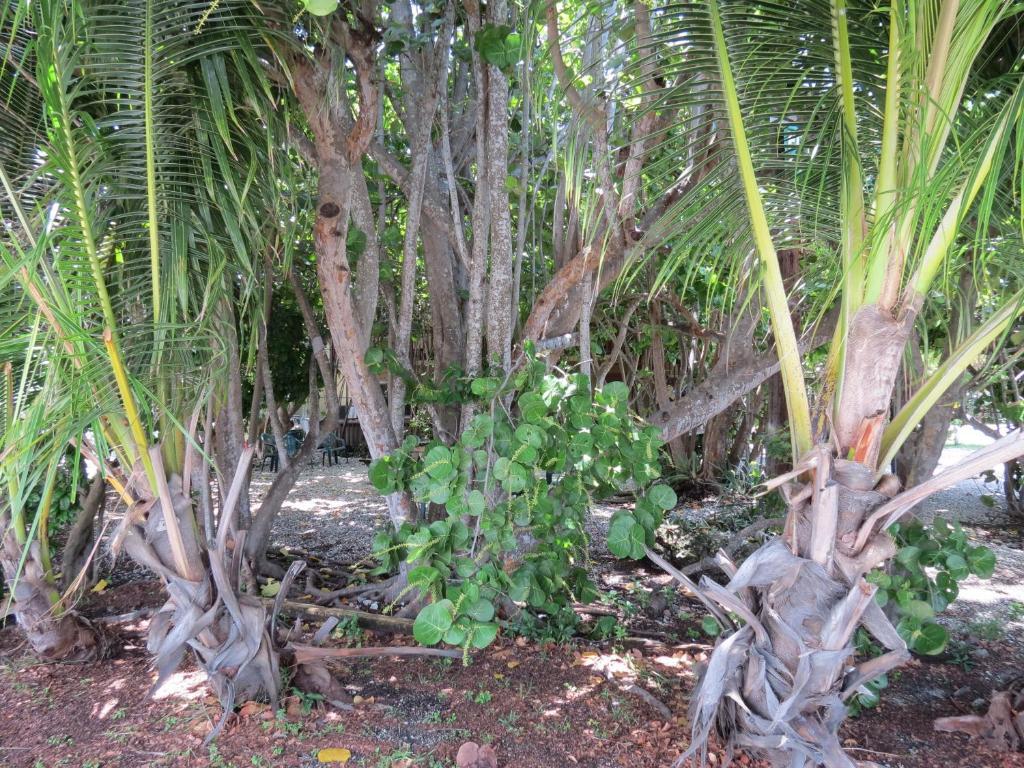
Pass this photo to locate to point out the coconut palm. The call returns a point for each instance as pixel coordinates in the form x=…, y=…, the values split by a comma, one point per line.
x=141, y=128
x=880, y=143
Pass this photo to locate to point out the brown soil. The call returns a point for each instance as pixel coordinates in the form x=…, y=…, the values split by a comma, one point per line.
x=537, y=705
x=540, y=705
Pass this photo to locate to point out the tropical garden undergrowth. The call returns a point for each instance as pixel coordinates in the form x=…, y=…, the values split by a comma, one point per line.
x=547, y=693
x=555, y=271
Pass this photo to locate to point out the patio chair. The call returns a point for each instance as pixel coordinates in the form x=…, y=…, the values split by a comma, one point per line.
x=269, y=452
x=332, y=450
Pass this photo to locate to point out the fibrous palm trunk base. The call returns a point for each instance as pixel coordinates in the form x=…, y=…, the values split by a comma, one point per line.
x=205, y=612
x=776, y=686
x=52, y=633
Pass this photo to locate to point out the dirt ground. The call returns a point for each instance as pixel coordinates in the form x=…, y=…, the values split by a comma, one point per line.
x=539, y=705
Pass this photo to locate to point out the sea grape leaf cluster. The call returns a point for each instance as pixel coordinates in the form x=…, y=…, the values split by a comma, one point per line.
x=507, y=502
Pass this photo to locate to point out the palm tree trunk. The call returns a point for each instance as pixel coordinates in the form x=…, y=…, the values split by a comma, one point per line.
x=51, y=632
x=801, y=598
x=777, y=685
x=205, y=611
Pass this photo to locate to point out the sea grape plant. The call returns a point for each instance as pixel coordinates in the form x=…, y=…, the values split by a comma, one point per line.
x=507, y=503
x=924, y=578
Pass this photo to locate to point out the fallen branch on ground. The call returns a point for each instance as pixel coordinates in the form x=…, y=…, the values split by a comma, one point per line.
x=374, y=621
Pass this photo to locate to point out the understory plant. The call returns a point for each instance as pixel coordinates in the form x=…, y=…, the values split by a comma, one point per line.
x=507, y=504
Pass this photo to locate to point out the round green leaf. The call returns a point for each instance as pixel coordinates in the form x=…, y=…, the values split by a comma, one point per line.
x=930, y=640
x=662, y=497
x=957, y=566
x=432, y=622
x=381, y=475
x=616, y=390
x=620, y=542
x=483, y=635
x=456, y=635
x=946, y=586
x=919, y=609
x=475, y=502
x=438, y=462
x=481, y=610
x=981, y=561
x=423, y=576
x=530, y=434
x=908, y=556
x=501, y=468
x=321, y=7
x=532, y=407
x=485, y=387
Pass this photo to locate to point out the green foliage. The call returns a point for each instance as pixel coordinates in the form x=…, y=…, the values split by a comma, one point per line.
x=499, y=45
x=320, y=7
x=711, y=626
x=511, y=497
x=913, y=594
x=64, y=504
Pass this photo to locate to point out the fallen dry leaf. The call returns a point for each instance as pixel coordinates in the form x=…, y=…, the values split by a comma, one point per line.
x=251, y=708
x=472, y=755
x=333, y=755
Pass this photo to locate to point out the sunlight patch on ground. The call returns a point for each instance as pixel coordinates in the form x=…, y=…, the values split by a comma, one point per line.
x=190, y=686
x=105, y=710
x=990, y=594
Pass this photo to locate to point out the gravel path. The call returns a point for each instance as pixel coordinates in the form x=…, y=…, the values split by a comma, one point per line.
x=332, y=509
x=336, y=511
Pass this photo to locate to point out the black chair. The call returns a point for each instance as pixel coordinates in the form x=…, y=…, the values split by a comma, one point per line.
x=332, y=450
x=269, y=452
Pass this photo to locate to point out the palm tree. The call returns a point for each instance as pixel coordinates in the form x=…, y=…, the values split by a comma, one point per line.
x=142, y=128
x=880, y=143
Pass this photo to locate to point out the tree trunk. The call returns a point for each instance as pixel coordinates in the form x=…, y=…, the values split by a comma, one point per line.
x=259, y=535
x=205, y=612
x=920, y=455
x=52, y=632
x=499, y=297
x=715, y=447
x=776, y=686
x=1013, y=487
x=662, y=393
x=446, y=319
x=78, y=546
x=775, y=422
x=741, y=440
x=335, y=286
x=229, y=430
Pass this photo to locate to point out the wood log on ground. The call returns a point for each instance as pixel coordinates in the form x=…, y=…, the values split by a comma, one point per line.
x=374, y=621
